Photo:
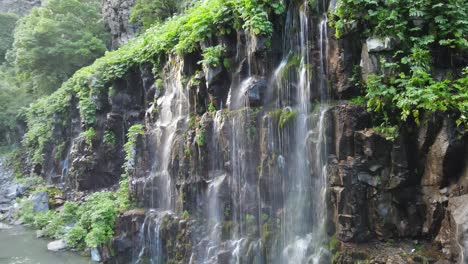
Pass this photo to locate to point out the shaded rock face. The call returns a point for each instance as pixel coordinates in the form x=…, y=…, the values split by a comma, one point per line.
x=377, y=190
x=116, y=15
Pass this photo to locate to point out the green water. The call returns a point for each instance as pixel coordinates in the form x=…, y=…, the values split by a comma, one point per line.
x=19, y=245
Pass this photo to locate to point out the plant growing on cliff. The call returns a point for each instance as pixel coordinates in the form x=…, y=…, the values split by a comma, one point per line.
x=149, y=12
x=408, y=89
x=109, y=138
x=132, y=135
x=200, y=138
x=212, y=56
x=89, y=135
x=287, y=116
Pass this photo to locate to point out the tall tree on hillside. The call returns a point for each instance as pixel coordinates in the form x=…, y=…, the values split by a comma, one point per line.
x=148, y=12
x=55, y=40
x=7, y=25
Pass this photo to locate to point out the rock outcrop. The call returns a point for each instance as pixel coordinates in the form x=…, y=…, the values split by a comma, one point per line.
x=116, y=15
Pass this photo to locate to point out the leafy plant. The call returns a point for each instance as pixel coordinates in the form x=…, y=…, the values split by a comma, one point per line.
x=286, y=117
x=211, y=108
x=89, y=135
x=212, y=56
x=109, y=138
x=200, y=138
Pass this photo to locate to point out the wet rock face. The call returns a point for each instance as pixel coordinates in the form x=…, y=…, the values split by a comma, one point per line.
x=378, y=191
x=116, y=15
x=98, y=165
x=127, y=228
x=368, y=180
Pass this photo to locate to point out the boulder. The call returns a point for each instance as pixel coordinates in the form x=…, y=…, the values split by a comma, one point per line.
x=57, y=245
x=256, y=92
x=95, y=255
x=4, y=226
x=375, y=44
x=40, y=202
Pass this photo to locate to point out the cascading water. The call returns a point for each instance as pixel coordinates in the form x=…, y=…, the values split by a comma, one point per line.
x=237, y=211
x=159, y=187
x=303, y=148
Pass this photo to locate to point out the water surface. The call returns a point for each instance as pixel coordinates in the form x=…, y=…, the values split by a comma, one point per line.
x=19, y=245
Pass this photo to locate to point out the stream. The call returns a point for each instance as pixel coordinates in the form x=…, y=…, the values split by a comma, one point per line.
x=19, y=245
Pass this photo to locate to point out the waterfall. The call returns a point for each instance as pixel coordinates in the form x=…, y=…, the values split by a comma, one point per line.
x=252, y=212
x=303, y=148
x=150, y=239
x=159, y=188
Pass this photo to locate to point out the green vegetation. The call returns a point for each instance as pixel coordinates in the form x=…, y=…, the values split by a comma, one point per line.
x=109, y=138
x=212, y=56
x=211, y=108
x=54, y=41
x=89, y=135
x=403, y=19
x=180, y=34
x=93, y=220
x=149, y=12
x=7, y=26
x=200, y=138
x=409, y=90
x=284, y=116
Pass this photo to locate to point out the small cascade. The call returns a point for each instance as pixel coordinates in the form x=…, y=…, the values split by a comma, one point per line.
x=159, y=188
x=302, y=149
x=65, y=164
x=173, y=112
x=151, y=250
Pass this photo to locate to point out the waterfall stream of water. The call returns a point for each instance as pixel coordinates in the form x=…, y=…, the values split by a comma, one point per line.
x=299, y=152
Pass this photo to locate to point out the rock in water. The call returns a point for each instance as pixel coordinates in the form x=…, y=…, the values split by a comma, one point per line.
x=57, y=245
x=4, y=226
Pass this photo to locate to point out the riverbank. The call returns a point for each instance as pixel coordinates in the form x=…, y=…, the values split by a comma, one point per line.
x=19, y=244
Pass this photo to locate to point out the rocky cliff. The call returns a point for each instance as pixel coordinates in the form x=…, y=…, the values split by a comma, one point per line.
x=116, y=15
x=260, y=157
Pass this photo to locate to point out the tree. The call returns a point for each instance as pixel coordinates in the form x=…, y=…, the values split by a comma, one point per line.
x=7, y=25
x=12, y=100
x=54, y=41
x=148, y=12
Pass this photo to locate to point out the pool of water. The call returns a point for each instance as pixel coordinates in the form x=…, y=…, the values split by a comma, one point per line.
x=19, y=245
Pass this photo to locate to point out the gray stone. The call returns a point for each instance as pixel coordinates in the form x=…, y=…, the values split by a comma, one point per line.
x=368, y=179
x=95, y=255
x=40, y=202
x=459, y=208
x=434, y=167
x=256, y=92
x=116, y=15
x=57, y=245
x=39, y=233
x=4, y=226
x=375, y=44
